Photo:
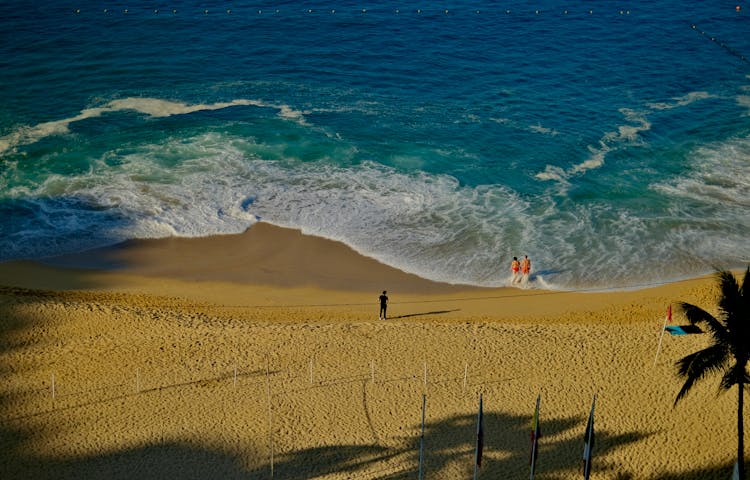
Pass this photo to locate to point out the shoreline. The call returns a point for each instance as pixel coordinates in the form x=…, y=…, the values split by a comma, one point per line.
x=279, y=268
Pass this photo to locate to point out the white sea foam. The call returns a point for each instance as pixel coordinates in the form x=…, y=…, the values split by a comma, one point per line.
x=744, y=101
x=153, y=107
x=628, y=134
x=543, y=130
x=682, y=101
x=423, y=223
x=720, y=177
x=712, y=202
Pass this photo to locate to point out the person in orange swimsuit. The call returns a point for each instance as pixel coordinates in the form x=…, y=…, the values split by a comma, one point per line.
x=515, y=267
x=525, y=268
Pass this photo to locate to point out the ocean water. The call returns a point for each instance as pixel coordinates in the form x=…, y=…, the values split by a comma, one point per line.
x=609, y=142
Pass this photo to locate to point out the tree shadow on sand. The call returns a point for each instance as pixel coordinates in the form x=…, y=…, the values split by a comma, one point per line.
x=449, y=447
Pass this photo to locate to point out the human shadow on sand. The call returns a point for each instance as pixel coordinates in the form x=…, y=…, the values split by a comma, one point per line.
x=438, y=312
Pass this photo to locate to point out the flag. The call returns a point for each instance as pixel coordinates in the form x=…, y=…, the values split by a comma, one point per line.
x=535, y=434
x=480, y=437
x=669, y=314
x=588, y=443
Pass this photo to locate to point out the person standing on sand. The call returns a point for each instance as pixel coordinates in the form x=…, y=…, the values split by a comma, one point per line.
x=514, y=268
x=383, y=305
x=525, y=268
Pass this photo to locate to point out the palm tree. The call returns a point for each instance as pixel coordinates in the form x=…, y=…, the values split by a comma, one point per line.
x=729, y=351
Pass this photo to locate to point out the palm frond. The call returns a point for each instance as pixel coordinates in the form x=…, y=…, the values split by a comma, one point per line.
x=730, y=299
x=698, y=365
x=736, y=374
x=697, y=315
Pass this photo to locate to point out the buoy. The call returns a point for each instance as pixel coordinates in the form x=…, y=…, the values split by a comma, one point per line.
x=156, y=12
x=205, y=12
x=446, y=12
x=105, y=10
x=537, y=12
x=229, y=11
x=78, y=10
x=174, y=11
x=125, y=11
x=419, y=12
x=565, y=12
x=397, y=12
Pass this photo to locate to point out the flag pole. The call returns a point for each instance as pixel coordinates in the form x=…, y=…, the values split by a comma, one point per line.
x=421, y=440
x=663, y=329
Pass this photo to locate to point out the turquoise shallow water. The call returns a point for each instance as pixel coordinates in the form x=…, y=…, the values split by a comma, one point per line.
x=611, y=145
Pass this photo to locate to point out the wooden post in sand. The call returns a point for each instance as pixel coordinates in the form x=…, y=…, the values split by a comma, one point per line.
x=425, y=373
x=312, y=378
x=466, y=374
x=53, y=386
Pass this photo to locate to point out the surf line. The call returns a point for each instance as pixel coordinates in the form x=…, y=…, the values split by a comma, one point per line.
x=723, y=45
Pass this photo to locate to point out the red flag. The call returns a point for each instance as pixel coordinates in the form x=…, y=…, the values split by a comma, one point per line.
x=669, y=314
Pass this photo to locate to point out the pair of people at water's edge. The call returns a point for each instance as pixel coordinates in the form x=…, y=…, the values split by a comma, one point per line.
x=383, y=305
x=520, y=270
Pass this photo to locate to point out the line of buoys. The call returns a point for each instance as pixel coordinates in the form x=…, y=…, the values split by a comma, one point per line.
x=418, y=11
x=723, y=45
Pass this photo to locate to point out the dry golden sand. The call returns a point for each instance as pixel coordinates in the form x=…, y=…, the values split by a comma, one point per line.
x=144, y=359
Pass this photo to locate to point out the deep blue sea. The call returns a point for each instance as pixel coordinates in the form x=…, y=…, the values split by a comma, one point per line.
x=609, y=141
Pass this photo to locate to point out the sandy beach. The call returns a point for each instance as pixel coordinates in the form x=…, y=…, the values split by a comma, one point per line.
x=261, y=355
